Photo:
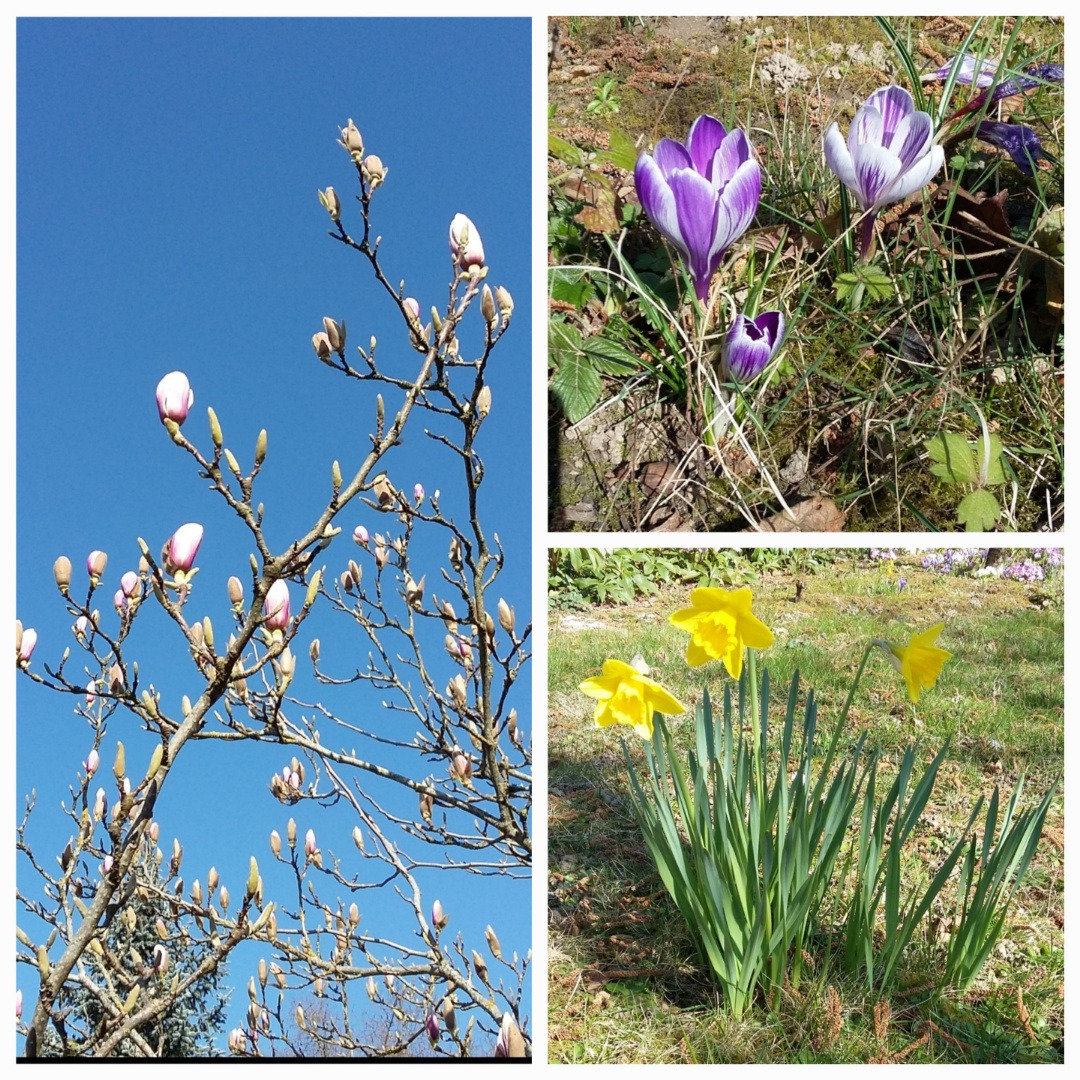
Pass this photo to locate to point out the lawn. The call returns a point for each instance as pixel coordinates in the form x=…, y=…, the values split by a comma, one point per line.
x=626, y=984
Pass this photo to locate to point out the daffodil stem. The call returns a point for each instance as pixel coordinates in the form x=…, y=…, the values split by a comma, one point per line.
x=840, y=724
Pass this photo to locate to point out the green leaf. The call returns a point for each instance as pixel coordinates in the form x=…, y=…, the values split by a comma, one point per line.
x=623, y=153
x=995, y=474
x=571, y=289
x=845, y=285
x=955, y=458
x=609, y=356
x=978, y=511
x=576, y=386
x=564, y=151
x=878, y=283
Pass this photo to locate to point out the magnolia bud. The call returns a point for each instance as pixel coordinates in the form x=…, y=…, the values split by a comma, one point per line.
x=253, y=877
x=493, y=943
x=95, y=565
x=374, y=170
x=487, y=307
x=426, y=803
x=414, y=592
x=354, y=915
x=352, y=141
x=331, y=203
x=236, y=592
x=358, y=837
x=449, y=1019
x=335, y=333
x=481, y=966
x=455, y=553
x=320, y=342
x=505, y=302
x=275, y=841
x=506, y=616
x=62, y=573
x=290, y=833
x=372, y=989
x=483, y=401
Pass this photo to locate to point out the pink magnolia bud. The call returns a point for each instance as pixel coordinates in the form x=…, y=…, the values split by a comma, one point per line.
x=182, y=548
x=100, y=805
x=93, y=760
x=310, y=847
x=119, y=600
x=95, y=564
x=361, y=536
x=276, y=605
x=174, y=397
x=413, y=305
x=432, y=1025
x=81, y=627
x=509, y=1044
x=465, y=243
x=106, y=865
x=91, y=693
x=438, y=918
x=130, y=583
x=418, y=493
x=18, y=1004
x=26, y=646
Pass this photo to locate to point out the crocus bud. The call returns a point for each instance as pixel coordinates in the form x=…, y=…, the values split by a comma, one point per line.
x=432, y=1026
x=174, y=397
x=750, y=345
x=25, y=643
x=62, y=573
x=335, y=333
x=95, y=565
x=129, y=583
x=183, y=546
x=331, y=203
x=276, y=605
x=374, y=170
x=320, y=342
x=505, y=303
x=236, y=592
x=483, y=401
x=493, y=942
x=438, y=918
x=310, y=846
x=465, y=244
x=361, y=536
x=352, y=141
x=487, y=307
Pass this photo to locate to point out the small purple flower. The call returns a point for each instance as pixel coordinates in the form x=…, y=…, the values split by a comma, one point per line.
x=174, y=397
x=889, y=153
x=750, y=344
x=1039, y=75
x=901, y=584
x=1020, y=142
x=971, y=69
x=702, y=195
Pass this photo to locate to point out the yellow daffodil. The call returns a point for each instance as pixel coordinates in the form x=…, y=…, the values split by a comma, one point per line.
x=920, y=661
x=625, y=696
x=721, y=626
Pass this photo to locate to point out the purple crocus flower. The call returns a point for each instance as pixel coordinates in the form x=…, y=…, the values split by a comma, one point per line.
x=889, y=153
x=702, y=195
x=970, y=69
x=750, y=344
x=1021, y=143
x=1036, y=76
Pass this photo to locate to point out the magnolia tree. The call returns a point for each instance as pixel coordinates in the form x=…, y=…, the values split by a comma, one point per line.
x=448, y=793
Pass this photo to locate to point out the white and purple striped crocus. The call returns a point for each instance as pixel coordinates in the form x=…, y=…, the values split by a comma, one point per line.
x=702, y=195
x=750, y=344
x=889, y=153
x=969, y=69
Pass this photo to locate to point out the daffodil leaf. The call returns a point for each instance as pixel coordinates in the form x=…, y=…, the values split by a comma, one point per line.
x=576, y=386
x=954, y=457
x=978, y=511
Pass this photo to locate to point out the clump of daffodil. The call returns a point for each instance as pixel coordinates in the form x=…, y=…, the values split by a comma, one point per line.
x=625, y=696
x=920, y=661
x=721, y=626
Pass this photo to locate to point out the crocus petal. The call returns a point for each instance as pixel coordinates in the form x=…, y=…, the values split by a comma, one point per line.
x=920, y=174
x=893, y=103
x=1020, y=142
x=738, y=205
x=696, y=207
x=706, y=136
x=658, y=200
x=912, y=139
x=671, y=155
x=876, y=170
x=838, y=157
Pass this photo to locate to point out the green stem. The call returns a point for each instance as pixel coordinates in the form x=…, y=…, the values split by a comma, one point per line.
x=840, y=724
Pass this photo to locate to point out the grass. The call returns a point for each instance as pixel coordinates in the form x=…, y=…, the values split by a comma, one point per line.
x=625, y=984
x=956, y=323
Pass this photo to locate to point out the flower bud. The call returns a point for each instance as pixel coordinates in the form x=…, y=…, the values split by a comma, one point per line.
x=432, y=1027
x=358, y=837
x=361, y=536
x=438, y=918
x=290, y=833
x=493, y=942
x=487, y=307
x=354, y=915
x=287, y=663
x=62, y=573
x=426, y=804
x=465, y=244
x=383, y=489
x=483, y=401
x=119, y=601
x=414, y=592
x=461, y=769
x=372, y=989
x=480, y=965
x=509, y=1044
x=183, y=546
x=412, y=309
x=116, y=679
x=25, y=643
x=455, y=553
x=335, y=333
x=129, y=583
x=449, y=1019
x=174, y=397
x=506, y=616
x=91, y=693
x=95, y=565
x=352, y=141
x=276, y=605
x=313, y=650
x=93, y=760
x=310, y=846
x=253, y=877
x=374, y=170
x=505, y=302
x=331, y=203
x=320, y=342
x=457, y=691
x=236, y=592
x=223, y=898
x=101, y=805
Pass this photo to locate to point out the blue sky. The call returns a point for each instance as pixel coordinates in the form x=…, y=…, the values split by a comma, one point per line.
x=167, y=219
